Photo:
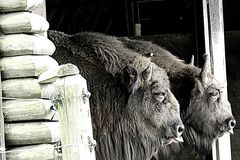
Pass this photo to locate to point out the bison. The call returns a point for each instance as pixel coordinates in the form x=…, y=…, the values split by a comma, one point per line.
x=206, y=114
x=133, y=110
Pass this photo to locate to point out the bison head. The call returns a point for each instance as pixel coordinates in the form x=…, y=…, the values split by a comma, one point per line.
x=152, y=105
x=209, y=113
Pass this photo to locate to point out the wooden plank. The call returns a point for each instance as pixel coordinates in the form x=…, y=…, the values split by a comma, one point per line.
x=18, y=5
x=25, y=66
x=33, y=152
x=213, y=25
x=23, y=44
x=31, y=133
x=75, y=118
x=28, y=110
x=23, y=22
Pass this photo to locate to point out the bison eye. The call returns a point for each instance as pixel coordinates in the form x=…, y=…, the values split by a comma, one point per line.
x=214, y=94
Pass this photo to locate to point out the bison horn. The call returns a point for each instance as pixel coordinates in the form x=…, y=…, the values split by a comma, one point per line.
x=206, y=69
x=147, y=73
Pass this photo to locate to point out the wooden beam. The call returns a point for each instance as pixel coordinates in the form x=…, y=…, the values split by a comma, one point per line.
x=214, y=42
x=2, y=135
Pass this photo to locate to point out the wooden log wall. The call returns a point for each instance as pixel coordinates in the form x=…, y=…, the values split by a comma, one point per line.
x=31, y=131
x=37, y=124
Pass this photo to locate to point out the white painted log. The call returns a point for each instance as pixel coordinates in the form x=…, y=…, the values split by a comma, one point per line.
x=18, y=5
x=56, y=72
x=26, y=88
x=22, y=22
x=23, y=44
x=28, y=110
x=33, y=152
x=25, y=66
x=31, y=133
x=75, y=119
x=21, y=88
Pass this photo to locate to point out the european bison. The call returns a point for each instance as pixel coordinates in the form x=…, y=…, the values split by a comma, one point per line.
x=133, y=109
x=205, y=113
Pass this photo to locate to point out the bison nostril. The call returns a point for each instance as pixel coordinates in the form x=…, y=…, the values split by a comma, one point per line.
x=179, y=128
x=232, y=123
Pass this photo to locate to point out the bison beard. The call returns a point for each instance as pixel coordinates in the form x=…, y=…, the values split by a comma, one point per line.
x=133, y=110
x=205, y=113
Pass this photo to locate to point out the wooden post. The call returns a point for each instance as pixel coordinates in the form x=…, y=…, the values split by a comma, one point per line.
x=137, y=23
x=75, y=119
x=2, y=135
x=214, y=42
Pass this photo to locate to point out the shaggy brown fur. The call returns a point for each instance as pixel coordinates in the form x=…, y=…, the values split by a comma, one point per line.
x=133, y=109
x=206, y=114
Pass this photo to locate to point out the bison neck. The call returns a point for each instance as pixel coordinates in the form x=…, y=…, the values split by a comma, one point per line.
x=196, y=143
x=124, y=144
x=195, y=146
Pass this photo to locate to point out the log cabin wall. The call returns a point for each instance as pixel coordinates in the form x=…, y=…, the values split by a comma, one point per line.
x=30, y=128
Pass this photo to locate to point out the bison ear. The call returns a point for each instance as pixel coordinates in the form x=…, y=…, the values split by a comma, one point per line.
x=130, y=78
x=147, y=73
x=198, y=87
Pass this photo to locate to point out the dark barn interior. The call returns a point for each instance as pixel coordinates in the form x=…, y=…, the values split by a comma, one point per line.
x=174, y=24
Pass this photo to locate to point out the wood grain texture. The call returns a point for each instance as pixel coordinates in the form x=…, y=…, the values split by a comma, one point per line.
x=31, y=133
x=22, y=22
x=23, y=44
x=25, y=66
